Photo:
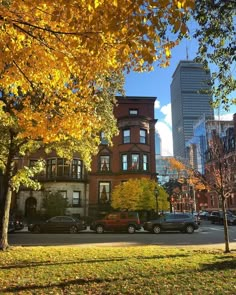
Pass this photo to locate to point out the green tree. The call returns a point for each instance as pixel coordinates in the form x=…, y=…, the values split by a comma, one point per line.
x=217, y=44
x=138, y=194
x=54, y=204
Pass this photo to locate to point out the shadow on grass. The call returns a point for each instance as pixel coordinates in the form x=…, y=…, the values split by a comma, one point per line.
x=60, y=285
x=114, y=259
x=227, y=263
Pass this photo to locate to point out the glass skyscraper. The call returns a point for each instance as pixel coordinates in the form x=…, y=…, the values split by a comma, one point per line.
x=189, y=101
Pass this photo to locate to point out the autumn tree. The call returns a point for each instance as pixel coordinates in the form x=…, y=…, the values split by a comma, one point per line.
x=21, y=134
x=61, y=65
x=185, y=176
x=220, y=176
x=186, y=173
x=139, y=194
x=217, y=44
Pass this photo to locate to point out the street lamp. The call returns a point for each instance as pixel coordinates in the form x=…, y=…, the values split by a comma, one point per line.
x=156, y=193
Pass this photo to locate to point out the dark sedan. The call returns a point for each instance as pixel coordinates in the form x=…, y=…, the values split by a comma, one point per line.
x=58, y=224
x=172, y=222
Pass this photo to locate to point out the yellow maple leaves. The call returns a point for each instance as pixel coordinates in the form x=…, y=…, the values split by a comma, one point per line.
x=46, y=43
x=84, y=35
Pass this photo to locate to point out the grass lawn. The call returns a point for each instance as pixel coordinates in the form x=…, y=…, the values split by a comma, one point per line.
x=116, y=270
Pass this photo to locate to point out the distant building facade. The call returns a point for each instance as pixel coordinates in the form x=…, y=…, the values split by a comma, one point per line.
x=188, y=103
x=196, y=146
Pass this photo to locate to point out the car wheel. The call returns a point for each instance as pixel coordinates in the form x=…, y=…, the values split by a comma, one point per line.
x=189, y=229
x=131, y=229
x=36, y=229
x=73, y=229
x=99, y=229
x=156, y=229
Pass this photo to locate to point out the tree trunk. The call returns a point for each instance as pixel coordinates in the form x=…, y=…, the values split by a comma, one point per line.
x=5, y=221
x=226, y=232
x=7, y=195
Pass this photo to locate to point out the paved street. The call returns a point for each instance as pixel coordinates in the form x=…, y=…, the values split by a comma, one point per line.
x=207, y=234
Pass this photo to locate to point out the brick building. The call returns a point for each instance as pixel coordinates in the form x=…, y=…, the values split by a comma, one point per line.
x=131, y=156
x=228, y=143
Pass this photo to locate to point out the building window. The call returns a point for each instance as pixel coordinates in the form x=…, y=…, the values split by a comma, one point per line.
x=76, y=169
x=212, y=201
x=51, y=168
x=32, y=163
x=133, y=112
x=104, y=192
x=126, y=136
x=124, y=162
x=143, y=136
x=76, y=199
x=103, y=138
x=63, y=167
x=104, y=163
x=145, y=162
x=135, y=161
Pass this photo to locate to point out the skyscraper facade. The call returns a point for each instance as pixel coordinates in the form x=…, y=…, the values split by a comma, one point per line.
x=189, y=101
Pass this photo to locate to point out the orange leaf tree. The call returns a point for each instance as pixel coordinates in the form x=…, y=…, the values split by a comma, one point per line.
x=185, y=173
x=220, y=176
x=61, y=64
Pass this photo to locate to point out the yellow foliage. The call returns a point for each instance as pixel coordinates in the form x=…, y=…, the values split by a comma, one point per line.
x=138, y=194
x=56, y=56
x=52, y=39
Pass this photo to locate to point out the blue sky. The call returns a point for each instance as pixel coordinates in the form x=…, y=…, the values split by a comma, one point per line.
x=157, y=84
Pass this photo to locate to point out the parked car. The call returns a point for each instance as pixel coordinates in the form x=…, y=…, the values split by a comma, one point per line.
x=18, y=223
x=58, y=224
x=184, y=222
x=117, y=221
x=218, y=217
x=204, y=215
x=197, y=217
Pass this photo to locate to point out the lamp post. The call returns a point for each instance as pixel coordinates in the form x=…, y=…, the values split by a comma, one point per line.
x=156, y=193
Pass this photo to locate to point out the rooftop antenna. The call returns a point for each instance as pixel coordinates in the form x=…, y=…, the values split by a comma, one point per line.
x=186, y=51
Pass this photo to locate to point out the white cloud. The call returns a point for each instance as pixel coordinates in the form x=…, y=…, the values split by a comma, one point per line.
x=224, y=117
x=164, y=129
x=157, y=104
x=165, y=133
x=166, y=110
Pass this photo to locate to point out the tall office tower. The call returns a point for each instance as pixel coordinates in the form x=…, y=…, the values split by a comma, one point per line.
x=188, y=102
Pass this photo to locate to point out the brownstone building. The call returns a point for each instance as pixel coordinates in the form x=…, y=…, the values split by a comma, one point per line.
x=131, y=156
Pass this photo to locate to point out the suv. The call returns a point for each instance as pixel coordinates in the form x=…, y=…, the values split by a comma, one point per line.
x=218, y=217
x=117, y=221
x=183, y=222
